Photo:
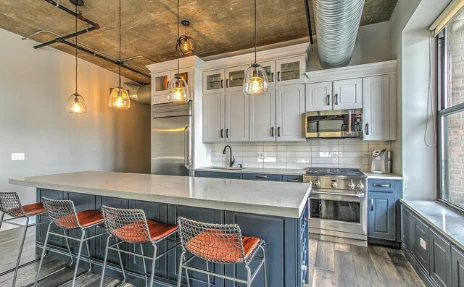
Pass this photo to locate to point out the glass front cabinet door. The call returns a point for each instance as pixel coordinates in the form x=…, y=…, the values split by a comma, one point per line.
x=291, y=70
x=269, y=67
x=234, y=78
x=213, y=81
x=160, y=85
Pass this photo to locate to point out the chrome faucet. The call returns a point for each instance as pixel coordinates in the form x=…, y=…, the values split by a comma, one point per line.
x=231, y=158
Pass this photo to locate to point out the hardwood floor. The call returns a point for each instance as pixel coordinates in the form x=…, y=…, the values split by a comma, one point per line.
x=331, y=264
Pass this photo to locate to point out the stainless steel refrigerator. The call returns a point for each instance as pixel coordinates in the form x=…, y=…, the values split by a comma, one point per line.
x=171, y=139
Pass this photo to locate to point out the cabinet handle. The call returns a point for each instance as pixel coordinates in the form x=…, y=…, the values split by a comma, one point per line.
x=372, y=204
x=222, y=84
x=222, y=133
x=278, y=76
x=383, y=185
x=293, y=180
x=261, y=176
x=278, y=131
x=167, y=85
x=366, y=129
x=227, y=83
x=272, y=131
x=328, y=100
x=336, y=99
x=227, y=133
x=272, y=77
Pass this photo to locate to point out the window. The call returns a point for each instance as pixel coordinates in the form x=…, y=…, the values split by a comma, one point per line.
x=451, y=112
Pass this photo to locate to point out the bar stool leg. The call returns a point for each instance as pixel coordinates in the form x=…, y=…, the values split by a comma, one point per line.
x=78, y=258
x=20, y=252
x=122, y=268
x=248, y=276
x=144, y=266
x=179, y=273
x=264, y=266
x=207, y=269
x=104, y=261
x=69, y=248
x=1, y=220
x=153, y=266
x=43, y=255
x=88, y=252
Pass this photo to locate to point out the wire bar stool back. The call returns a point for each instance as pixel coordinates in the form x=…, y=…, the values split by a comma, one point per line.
x=11, y=205
x=129, y=225
x=219, y=243
x=61, y=212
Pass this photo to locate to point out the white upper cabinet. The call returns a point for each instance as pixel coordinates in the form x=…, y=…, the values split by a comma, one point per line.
x=319, y=97
x=160, y=84
x=262, y=117
x=290, y=109
x=377, y=108
x=213, y=118
x=236, y=117
x=270, y=67
x=213, y=81
x=347, y=94
x=234, y=78
x=291, y=70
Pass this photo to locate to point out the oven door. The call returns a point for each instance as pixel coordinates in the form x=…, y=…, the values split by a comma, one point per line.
x=339, y=214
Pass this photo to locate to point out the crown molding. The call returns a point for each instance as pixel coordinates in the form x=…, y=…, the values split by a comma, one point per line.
x=186, y=62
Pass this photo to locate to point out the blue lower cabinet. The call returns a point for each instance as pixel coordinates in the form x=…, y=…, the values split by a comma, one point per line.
x=457, y=268
x=440, y=259
x=265, y=177
x=210, y=174
x=421, y=243
x=382, y=215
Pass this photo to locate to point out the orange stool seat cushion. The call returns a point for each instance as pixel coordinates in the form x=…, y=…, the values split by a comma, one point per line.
x=135, y=232
x=215, y=245
x=34, y=209
x=86, y=218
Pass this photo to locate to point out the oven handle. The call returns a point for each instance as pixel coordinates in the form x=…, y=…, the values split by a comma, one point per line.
x=359, y=195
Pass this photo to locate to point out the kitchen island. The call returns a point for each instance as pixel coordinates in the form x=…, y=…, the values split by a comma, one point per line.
x=274, y=211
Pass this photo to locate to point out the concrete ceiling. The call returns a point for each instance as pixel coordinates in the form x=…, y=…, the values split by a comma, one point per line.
x=150, y=26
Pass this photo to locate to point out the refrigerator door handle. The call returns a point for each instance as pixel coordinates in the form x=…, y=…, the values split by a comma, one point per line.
x=186, y=148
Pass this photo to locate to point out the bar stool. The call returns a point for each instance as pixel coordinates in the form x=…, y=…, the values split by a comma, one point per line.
x=131, y=226
x=62, y=213
x=11, y=205
x=219, y=243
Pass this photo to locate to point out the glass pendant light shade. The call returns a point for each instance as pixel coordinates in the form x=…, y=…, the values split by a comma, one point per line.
x=76, y=104
x=255, y=81
x=186, y=45
x=179, y=91
x=119, y=99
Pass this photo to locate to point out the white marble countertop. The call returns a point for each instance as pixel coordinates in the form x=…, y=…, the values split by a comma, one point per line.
x=283, y=171
x=258, y=197
x=383, y=176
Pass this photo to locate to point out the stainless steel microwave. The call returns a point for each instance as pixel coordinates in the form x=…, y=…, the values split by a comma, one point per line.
x=334, y=124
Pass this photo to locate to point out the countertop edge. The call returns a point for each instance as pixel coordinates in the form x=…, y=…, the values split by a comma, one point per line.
x=236, y=207
x=442, y=232
x=251, y=170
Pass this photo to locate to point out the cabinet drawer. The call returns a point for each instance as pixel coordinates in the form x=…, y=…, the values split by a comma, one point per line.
x=256, y=176
x=292, y=178
x=226, y=175
x=383, y=185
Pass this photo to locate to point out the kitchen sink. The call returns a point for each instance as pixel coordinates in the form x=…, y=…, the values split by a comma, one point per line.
x=227, y=168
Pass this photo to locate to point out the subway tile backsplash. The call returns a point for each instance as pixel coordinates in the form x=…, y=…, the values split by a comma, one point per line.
x=344, y=153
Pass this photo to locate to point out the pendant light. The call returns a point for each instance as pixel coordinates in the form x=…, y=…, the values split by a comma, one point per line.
x=119, y=97
x=186, y=44
x=255, y=81
x=76, y=103
x=179, y=91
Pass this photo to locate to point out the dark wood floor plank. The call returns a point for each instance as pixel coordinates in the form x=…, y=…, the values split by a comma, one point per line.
x=323, y=278
x=345, y=274
x=341, y=247
x=384, y=266
x=366, y=274
x=325, y=255
x=404, y=268
x=312, y=258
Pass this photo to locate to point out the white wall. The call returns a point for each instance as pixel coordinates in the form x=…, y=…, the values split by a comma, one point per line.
x=34, y=88
x=410, y=44
x=372, y=45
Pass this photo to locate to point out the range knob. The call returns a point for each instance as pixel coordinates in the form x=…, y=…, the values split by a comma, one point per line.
x=351, y=185
x=317, y=183
x=334, y=184
x=360, y=185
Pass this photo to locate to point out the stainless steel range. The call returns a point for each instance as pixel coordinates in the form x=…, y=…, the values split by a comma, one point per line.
x=338, y=205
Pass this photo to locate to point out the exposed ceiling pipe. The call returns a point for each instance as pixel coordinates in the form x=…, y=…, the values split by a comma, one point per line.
x=308, y=19
x=337, y=24
x=95, y=53
x=94, y=26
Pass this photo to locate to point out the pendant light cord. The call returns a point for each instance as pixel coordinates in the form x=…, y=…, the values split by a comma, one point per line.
x=256, y=34
x=120, y=43
x=178, y=36
x=76, y=48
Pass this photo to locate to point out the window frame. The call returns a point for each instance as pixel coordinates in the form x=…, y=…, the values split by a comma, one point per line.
x=443, y=112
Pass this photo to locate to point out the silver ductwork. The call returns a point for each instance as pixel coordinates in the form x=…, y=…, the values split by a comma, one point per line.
x=138, y=93
x=337, y=23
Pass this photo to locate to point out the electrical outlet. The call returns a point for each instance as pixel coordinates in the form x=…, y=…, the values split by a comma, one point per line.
x=261, y=155
x=17, y=156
